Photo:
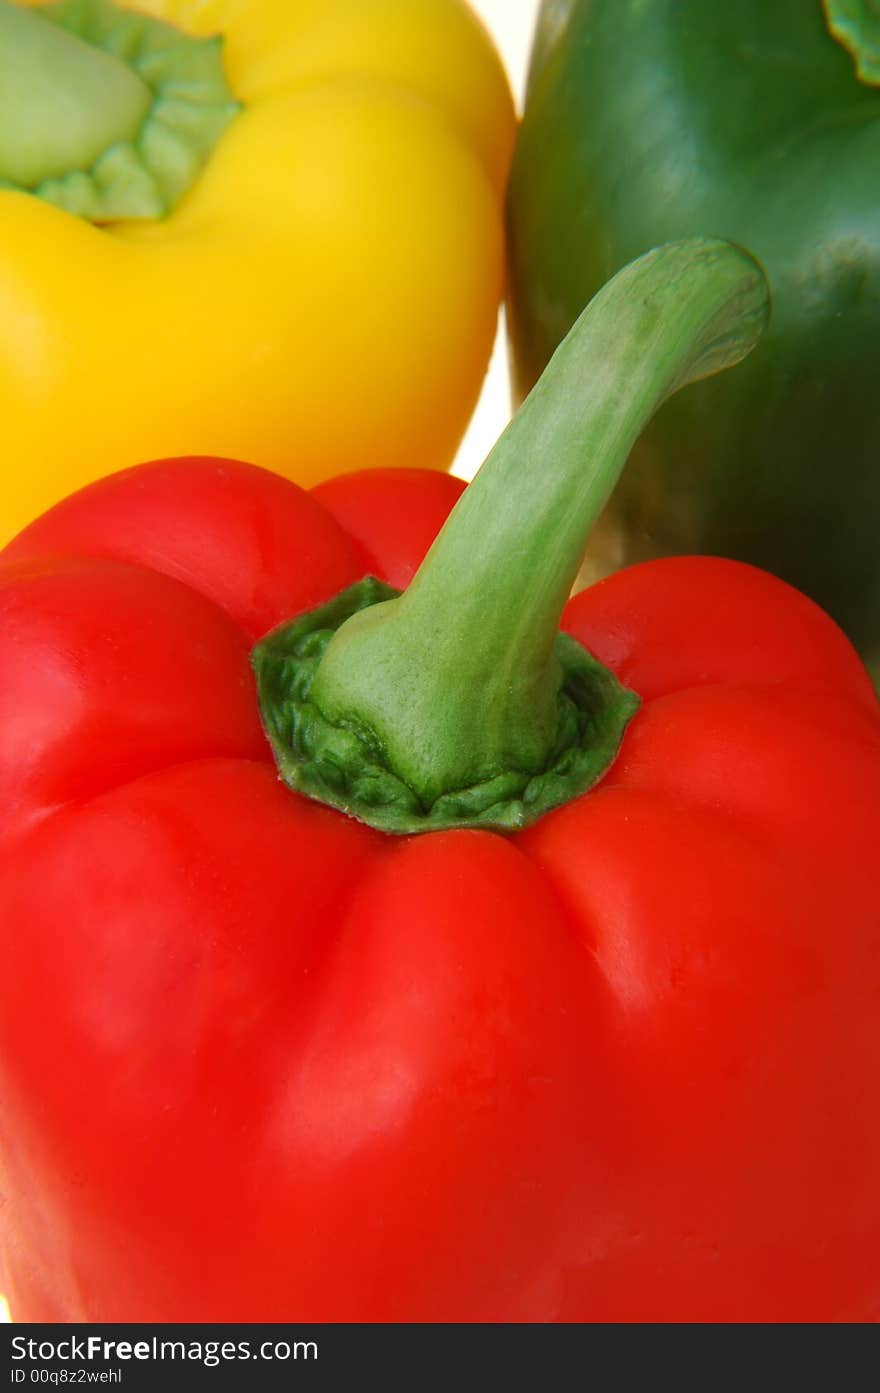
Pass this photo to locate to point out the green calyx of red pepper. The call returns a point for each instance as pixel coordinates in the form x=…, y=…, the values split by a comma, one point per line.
x=458, y=703
x=105, y=112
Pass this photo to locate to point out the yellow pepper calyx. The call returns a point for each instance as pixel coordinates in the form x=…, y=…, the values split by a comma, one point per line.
x=107, y=113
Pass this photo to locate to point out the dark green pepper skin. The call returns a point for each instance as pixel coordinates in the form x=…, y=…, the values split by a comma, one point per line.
x=648, y=122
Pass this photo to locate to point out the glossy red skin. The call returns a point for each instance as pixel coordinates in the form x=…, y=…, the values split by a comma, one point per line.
x=260, y=1062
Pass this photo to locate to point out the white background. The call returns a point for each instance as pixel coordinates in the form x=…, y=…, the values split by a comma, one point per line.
x=510, y=22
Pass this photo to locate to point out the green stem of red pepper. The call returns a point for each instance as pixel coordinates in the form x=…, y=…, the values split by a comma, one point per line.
x=458, y=703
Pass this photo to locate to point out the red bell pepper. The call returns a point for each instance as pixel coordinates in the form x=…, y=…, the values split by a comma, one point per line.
x=262, y=1061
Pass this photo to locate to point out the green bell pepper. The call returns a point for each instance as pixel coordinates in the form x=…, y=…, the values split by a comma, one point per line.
x=758, y=122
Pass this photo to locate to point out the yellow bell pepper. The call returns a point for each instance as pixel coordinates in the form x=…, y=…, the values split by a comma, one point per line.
x=310, y=280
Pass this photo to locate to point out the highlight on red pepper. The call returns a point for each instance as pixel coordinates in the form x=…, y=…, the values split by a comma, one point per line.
x=601, y=1043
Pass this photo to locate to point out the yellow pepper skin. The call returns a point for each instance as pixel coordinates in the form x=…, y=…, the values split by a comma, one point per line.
x=323, y=297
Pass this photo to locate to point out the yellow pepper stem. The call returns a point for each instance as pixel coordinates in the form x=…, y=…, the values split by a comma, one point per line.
x=62, y=101
x=103, y=111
